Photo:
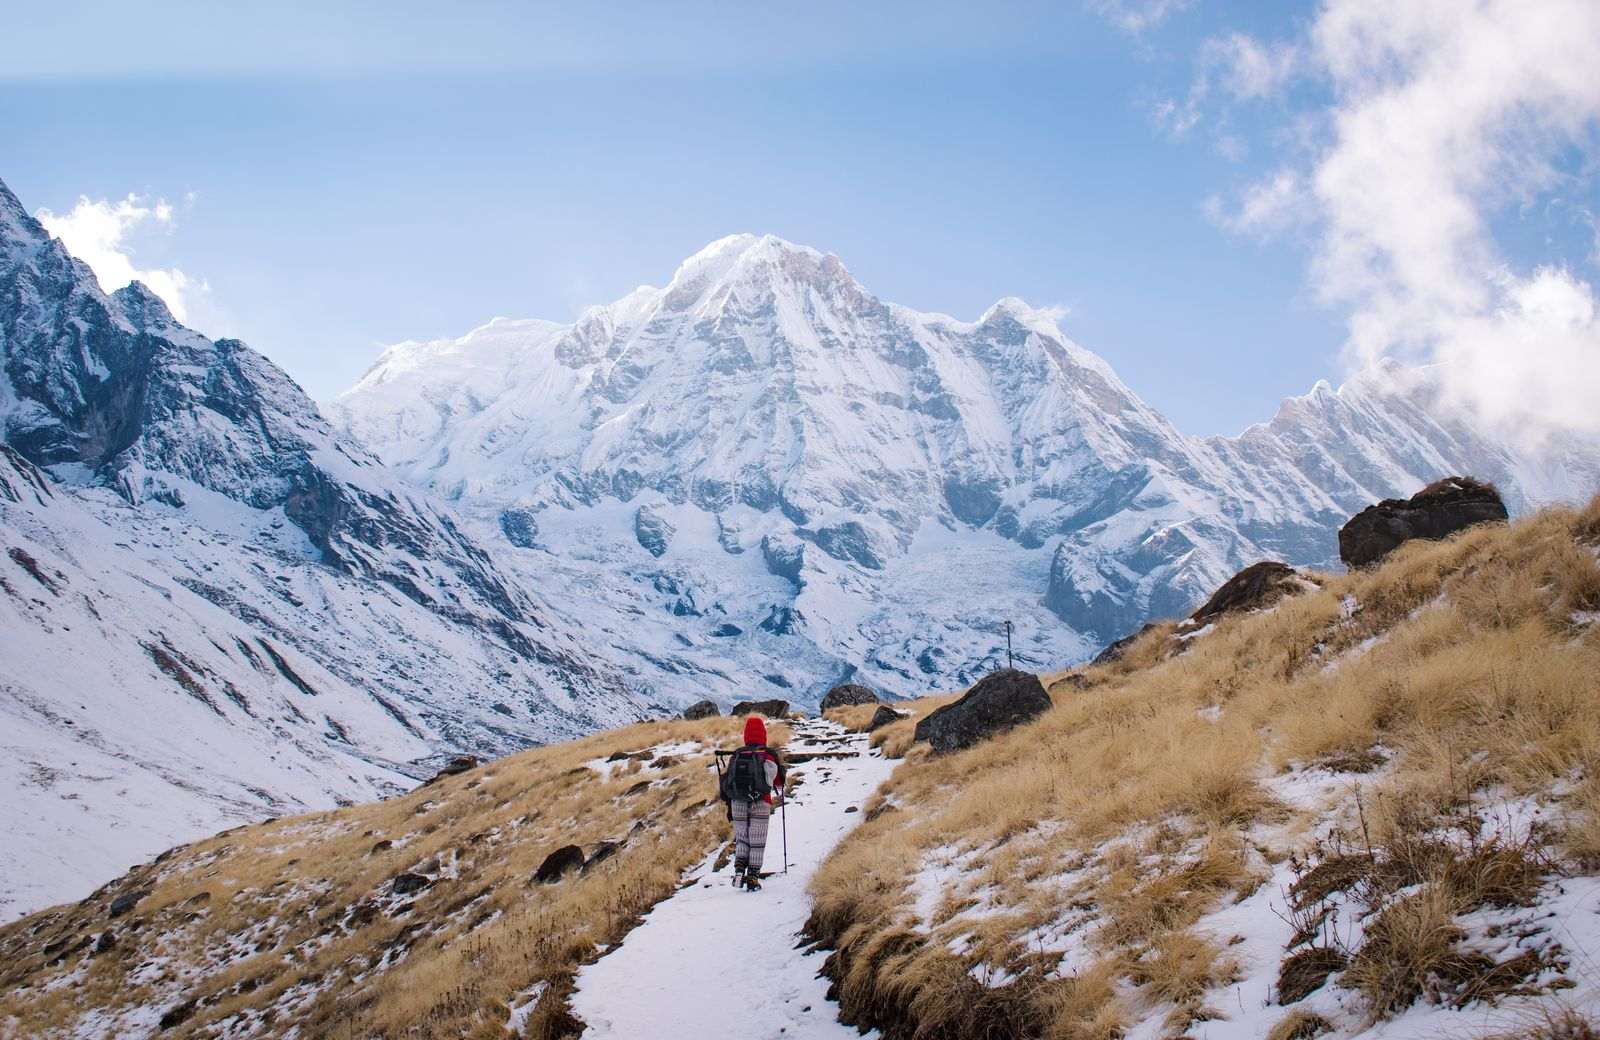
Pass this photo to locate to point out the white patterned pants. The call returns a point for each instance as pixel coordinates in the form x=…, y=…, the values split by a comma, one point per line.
x=750, y=833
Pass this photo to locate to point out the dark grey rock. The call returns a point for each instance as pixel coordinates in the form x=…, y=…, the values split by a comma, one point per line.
x=127, y=901
x=1257, y=586
x=653, y=531
x=772, y=709
x=1114, y=650
x=520, y=527
x=784, y=556
x=602, y=851
x=727, y=630
x=885, y=715
x=1437, y=511
x=702, y=710
x=847, y=693
x=567, y=857
x=456, y=766
x=407, y=883
x=995, y=704
x=849, y=542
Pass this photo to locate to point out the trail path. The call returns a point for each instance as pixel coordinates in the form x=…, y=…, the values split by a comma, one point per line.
x=714, y=960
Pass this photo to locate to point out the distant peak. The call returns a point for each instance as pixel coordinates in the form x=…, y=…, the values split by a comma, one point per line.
x=142, y=306
x=1019, y=310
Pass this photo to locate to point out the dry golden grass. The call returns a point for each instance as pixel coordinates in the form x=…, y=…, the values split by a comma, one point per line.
x=298, y=921
x=1145, y=798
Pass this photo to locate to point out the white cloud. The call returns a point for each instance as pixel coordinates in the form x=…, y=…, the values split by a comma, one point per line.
x=1271, y=204
x=97, y=232
x=1137, y=16
x=1248, y=68
x=1231, y=68
x=1445, y=113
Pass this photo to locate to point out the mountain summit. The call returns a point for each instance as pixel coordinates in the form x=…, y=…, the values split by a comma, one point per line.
x=792, y=478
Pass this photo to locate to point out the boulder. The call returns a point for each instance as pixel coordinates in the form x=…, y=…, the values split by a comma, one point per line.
x=1071, y=681
x=567, y=857
x=1114, y=650
x=602, y=851
x=847, y=693
x=702, y=710
x=885, y=715
x=1437, y=511
x=1258, y=585
x=773, y=709
x=409, y=884
x=456, y=766
x=996, y=703
x=127, y=901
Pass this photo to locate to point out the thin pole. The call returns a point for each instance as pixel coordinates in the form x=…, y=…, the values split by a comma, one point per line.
x=1009, y=662
x=783, y=813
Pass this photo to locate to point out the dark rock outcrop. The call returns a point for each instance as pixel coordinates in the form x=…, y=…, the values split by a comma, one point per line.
x=702, y=710
x=785, y=556
x=521, y=528
x=567, y=857
x=455, y=767
x=847, y=693
x=409, y=884
x=1258, y=585
x=1114, y=650
x=1437, y=511
x=602, y=851
x=773, y=709
x=127, y=901
x=653, y=531
x=885, y=715
x=996, y=703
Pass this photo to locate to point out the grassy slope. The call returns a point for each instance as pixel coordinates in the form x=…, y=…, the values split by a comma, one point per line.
x=1056, y=881
x=297, y=922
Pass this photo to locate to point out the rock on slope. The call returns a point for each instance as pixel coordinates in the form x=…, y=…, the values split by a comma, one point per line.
x=196, y=496
x=796, y=479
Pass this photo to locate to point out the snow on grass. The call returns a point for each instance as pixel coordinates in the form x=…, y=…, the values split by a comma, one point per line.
x=522, y=1006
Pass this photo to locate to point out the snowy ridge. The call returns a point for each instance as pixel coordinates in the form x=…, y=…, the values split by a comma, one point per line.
x=763, y=470
x=190, y=490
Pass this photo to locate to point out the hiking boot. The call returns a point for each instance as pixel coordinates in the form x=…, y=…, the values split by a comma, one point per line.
x=752, y=879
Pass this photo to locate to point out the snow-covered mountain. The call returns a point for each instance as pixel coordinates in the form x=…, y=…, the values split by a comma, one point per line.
x=763, y=470
x=214, y=606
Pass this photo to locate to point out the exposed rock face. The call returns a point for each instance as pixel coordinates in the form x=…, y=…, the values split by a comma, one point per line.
x=521, y=527
x=773, y=709
x=847, y=693
x=1437, y=511
x=567, y=857
x=702, y=710
x=885, y=715
x=653, y=531
x=1114, y=650
x=1258, y=585
x=998, y=702
x=785, y=556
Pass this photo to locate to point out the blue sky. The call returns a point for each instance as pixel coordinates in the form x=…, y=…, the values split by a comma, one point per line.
x=344, y=176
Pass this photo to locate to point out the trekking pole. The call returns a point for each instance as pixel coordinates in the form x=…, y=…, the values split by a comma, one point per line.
x=783, y=813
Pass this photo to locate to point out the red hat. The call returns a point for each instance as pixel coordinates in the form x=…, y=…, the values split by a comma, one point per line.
x=755, y=731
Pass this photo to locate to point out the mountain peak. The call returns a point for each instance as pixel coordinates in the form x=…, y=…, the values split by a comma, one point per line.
x=758, y=258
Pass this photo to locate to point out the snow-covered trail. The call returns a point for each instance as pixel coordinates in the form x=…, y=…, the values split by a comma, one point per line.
x=714, y=960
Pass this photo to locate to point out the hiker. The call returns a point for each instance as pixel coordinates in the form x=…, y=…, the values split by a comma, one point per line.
x=752, y=785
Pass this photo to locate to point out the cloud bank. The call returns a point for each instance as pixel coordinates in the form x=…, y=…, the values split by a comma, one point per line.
x=96, y=232
x=1447, y=116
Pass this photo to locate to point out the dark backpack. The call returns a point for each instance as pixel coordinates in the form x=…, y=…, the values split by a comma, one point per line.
x=745, y=779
